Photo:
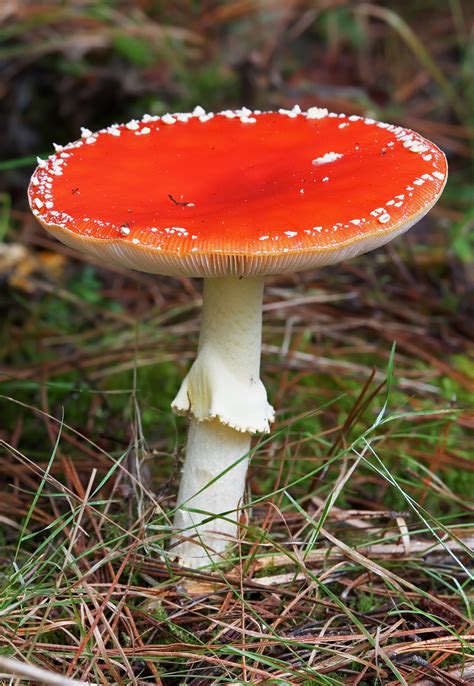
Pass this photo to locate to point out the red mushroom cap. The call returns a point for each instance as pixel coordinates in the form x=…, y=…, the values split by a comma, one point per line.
x=237, y=192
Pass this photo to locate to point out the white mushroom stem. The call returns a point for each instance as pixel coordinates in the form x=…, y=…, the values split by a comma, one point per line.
x=224, y=381
x=227, y=403
x=212, y=488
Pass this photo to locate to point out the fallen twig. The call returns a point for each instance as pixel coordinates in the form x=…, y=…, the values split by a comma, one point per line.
x=11, y=667
x=376, y=551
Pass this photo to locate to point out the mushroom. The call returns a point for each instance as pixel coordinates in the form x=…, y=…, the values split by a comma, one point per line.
x=231, y=198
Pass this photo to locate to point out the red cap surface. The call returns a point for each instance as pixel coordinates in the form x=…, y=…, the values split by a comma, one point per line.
x=238, y=192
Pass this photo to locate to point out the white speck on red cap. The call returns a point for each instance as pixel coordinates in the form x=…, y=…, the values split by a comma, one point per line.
x=317, y=113
x=326, y=158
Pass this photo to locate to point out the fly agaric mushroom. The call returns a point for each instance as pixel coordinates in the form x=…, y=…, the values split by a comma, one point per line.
x=231, y=198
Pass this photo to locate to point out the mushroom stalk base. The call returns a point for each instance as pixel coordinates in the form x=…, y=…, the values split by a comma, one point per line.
x=212, y=486
x=227, y=403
